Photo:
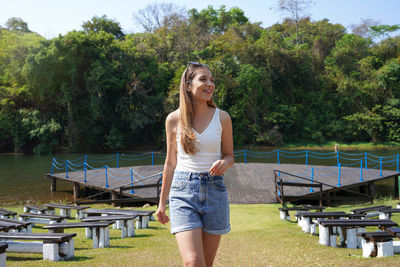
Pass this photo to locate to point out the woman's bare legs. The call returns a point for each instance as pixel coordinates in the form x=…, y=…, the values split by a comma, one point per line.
x=210, y=247
x=197, y=248
x=191, y=247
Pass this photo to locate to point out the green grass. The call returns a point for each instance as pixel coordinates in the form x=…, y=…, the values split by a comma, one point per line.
x=330, y=145
x=258, y=238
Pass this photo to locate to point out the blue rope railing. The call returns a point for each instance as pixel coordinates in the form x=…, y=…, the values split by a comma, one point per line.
x=363, y=160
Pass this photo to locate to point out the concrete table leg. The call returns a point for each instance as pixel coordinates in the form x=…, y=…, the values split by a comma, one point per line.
x=131, y=228
x=351, y=240
x=324, y=235
x=50, y=252
x=95, y=236
x=385, y=249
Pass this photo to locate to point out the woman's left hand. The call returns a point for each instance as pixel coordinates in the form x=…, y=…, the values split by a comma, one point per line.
x=218, y=168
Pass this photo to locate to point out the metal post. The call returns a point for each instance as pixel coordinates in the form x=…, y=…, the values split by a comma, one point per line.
x=337, y=158
x=105, y=168
x=52, y=166
x=312, y=179
x=366, y=160
x=84, y=169
x=306, y=157
x=277, y=155
x=361, y=165
x=245, y=156
x=339, y=173
x=117, y=160
x=132, y=192
x=152, y=158
x=380, y=166
x=397, y=163
x=66, y=169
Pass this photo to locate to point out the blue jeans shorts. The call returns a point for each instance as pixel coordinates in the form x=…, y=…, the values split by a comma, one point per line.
x=198, y=200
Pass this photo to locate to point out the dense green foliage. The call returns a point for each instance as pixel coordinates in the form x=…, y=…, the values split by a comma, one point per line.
x=99, y=89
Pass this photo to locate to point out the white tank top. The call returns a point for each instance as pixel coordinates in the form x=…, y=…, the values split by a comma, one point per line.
x=208, y=148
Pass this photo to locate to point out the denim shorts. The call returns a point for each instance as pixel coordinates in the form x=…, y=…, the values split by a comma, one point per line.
x=198, y=200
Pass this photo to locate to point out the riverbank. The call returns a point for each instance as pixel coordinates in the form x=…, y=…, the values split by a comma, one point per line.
x=359, y=146
x=258, y=238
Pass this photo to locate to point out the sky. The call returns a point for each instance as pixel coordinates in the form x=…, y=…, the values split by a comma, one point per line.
x=50, y=18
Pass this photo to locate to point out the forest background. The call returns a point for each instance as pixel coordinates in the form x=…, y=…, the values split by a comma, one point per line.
x=100, y=90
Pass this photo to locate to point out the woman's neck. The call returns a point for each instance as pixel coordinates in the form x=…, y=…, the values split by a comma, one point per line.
x=201, y=108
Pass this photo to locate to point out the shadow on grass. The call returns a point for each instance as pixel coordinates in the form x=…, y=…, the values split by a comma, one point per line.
x=157, y=228
x=16, y=258
x=113, y=246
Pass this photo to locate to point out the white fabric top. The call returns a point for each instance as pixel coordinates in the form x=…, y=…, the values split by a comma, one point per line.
x=208, y=145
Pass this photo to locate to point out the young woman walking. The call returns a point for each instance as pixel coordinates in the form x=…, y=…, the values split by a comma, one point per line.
x=199, y=151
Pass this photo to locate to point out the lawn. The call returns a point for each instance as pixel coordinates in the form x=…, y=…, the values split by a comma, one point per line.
x=258, y=238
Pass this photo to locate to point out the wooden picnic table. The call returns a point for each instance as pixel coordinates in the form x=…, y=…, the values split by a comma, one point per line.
x=284, y=212
x=368, y=209
x=144, y=215
x=18, y=225
x=35, y=209
x=8, y=214
x=65, y=210
x=126, y=222
x=372, y=243
x=54, y=246
x=42, y=218
x=349, y=230
x=98, y=231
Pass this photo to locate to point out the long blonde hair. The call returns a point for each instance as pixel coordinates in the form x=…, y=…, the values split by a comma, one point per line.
x=186, y=108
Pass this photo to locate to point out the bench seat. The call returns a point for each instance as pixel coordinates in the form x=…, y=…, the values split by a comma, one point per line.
x=98, y=231
x=65, y=210
x=126, y=223
x=53, y=246
x=42, y=218
x=305, y=219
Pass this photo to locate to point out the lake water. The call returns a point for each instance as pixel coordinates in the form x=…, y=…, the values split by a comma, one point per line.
x=22, y=177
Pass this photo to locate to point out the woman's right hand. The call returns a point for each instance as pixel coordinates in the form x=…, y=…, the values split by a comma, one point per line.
x=162, y=217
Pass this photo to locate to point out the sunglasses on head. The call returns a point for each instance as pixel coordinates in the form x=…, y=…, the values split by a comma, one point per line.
x=194, y=63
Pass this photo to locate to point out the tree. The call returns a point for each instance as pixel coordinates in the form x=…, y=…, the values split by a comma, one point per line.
x=363, y=28
x=296, y=10
x=103, y=24
x=383, y=31
x=17, y=24
x=156, y=16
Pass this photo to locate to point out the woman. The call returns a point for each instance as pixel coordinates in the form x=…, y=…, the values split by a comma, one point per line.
x=199, y=151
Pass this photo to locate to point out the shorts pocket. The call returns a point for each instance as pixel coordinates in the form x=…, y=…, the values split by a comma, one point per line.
x=178, y=185
x=219, y=184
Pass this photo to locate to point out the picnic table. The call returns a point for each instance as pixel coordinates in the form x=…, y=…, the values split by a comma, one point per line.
x=42, y=218
x=8, y=214
x=306, y=218
x=65, y=210
x=19, y=226
x=371, y=211
x=98, y=231
x=284, y=212
x=53, y=246
x=143, y=215
x=127, y=225
x=35, y=209
x=349, y=229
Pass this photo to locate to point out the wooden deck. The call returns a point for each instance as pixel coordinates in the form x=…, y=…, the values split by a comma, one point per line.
x=246, y=183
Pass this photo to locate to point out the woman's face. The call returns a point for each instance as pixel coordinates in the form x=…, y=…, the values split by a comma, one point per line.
x=202, y=87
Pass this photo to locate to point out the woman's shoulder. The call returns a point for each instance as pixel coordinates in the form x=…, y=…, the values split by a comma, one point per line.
x=173, y=117
x=224, y=116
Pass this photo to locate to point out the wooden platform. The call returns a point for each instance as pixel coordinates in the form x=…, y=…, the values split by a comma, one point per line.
x=246, y=183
